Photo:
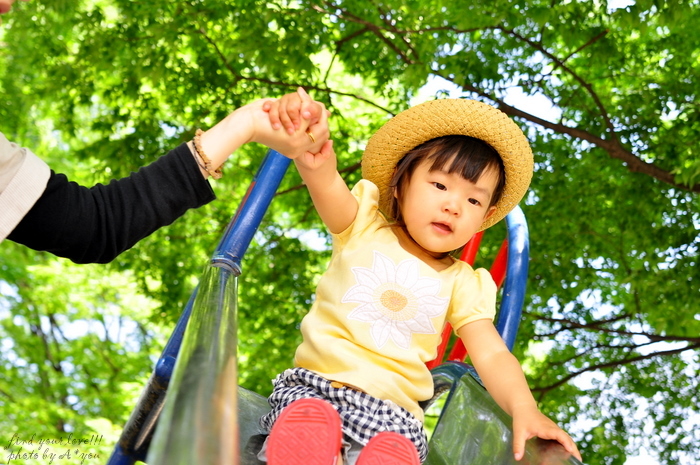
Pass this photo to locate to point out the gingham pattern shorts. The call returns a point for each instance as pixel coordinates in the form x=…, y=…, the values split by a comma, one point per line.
x=362, y=416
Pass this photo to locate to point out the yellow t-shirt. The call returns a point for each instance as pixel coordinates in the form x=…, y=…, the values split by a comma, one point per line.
x=379, y=310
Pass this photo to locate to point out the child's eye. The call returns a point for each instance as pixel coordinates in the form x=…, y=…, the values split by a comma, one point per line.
x=440, y=186
x=474, y=202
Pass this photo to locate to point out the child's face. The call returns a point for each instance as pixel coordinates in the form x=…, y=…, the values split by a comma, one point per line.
x=442, y=210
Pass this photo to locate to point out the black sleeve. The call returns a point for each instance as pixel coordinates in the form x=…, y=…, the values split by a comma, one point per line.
x=94, y=225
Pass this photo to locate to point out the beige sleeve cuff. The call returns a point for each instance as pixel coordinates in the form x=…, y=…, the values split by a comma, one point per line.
x=23, y=179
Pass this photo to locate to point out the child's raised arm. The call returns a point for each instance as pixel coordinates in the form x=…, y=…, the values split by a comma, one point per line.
x=505, y=381
x=334, y=203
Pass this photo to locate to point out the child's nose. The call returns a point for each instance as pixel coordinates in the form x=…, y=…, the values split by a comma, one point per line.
x=451, y=206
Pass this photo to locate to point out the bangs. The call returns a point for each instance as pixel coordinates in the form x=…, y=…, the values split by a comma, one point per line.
x=467, y=156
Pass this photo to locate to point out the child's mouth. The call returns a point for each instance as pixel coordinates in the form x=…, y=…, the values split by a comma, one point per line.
x=443, y=227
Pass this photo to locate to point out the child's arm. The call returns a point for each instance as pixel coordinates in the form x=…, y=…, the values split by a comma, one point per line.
x=332, y=198
x=505, y=381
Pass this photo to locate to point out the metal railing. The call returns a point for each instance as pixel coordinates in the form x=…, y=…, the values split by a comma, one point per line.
x=196, y=421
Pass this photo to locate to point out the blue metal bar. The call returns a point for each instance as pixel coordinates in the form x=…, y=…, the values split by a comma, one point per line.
x=516, y=277
x=136, y=436
x=249, y=215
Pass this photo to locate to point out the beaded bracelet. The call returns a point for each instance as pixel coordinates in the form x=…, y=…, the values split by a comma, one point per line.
x=196, y=157
x=215, y=173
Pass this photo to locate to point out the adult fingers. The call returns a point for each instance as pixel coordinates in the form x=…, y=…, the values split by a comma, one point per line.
x=310, y=110
x=272, y=109
x=292, y=109
x=320, y=132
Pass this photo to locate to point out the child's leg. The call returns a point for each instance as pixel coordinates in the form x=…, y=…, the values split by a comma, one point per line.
x=307, y=432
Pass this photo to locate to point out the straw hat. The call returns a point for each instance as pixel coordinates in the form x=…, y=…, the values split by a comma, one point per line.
x=445, y=117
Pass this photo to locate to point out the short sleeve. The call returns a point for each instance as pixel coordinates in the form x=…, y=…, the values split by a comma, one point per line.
x=473, y=297
x=367, y=195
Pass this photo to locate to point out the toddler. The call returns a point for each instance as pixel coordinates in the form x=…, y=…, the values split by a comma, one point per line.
x=434, y=175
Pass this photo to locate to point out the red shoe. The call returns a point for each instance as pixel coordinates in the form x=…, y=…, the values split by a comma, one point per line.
x=389, y=448
x=307, y=432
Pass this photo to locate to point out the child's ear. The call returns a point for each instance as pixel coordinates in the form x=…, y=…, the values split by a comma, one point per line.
x=490, y=212
x=393, y=182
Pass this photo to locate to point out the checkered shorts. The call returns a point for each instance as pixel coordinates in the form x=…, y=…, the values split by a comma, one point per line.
x=362, y=416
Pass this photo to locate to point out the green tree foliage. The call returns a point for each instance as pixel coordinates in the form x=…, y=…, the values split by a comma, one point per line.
x=607, y=95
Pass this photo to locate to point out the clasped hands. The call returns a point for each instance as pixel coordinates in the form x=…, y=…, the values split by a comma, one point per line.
x=294, y=125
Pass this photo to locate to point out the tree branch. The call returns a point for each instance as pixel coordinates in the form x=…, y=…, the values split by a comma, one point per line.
x=596, y=326
x=290, y=85
x=544, y=389
x=587, y=44
x=582, y=82
x=371, y=27
x=613, y=148
x=407, y=43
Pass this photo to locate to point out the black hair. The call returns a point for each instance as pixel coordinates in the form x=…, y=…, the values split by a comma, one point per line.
x=468, y=156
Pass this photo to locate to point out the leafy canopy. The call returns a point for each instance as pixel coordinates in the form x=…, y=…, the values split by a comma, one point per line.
x=606, y=95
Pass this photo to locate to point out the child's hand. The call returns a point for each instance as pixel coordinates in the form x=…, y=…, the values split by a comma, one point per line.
x=325, y=158
x=530, y=423
x=289, y=110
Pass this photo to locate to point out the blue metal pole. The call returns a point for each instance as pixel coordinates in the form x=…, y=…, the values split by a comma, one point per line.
x=249, y=215
x=136, y=436
x=516, y=277
x=135, y=439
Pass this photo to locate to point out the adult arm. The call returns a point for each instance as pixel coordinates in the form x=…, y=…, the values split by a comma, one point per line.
x=95, y=225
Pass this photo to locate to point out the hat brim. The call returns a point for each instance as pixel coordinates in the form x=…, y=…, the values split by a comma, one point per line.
x=444, y=117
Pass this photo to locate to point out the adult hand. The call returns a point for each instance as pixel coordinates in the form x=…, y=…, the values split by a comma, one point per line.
x=307, y=138
x=289, y=110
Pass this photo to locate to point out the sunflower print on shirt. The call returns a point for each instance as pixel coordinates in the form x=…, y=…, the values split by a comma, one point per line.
x=395, y=299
